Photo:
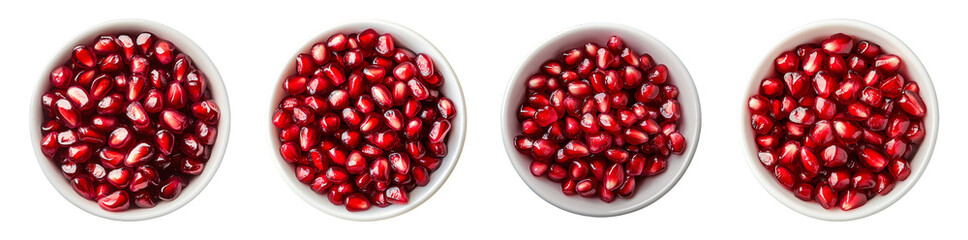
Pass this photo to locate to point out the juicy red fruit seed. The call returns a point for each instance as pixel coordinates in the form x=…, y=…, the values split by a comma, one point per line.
x=845, y=135
x=116, y=111
x=364, y=120
x=601, y=118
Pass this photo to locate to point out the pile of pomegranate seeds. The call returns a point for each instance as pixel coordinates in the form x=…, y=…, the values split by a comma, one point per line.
x=837, y=123
x=129, y=121
x=599, y=119
x=364, y=121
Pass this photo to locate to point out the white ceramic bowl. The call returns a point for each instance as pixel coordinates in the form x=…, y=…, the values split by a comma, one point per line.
x=403, y=37
x=912, y=70
x=201, y=61
x=646, y=192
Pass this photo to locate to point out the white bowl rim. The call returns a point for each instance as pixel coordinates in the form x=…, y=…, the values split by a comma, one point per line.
x=216, y=86
x=456, y=139
x=684, y=82
x=914, y=70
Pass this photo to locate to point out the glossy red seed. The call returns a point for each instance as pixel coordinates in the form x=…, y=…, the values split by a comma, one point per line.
x=838, y=44
x=115, y=202
x=826, y=196
x=839, y=180
x=872, y=159
x=784, y=176
x=787, y=62
x=852, y=199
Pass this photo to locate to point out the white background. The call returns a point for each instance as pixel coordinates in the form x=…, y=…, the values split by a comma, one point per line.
x=719, y=42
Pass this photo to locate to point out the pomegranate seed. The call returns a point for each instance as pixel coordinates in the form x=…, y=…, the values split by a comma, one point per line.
x=356, y=202
x=83, y=57
x=900, y=169
x=396, y=195
x=115, y=202
x=838, y=44
x=824, y=83
x=888, y=63
x=812, y=62
x=60, y=77
x=826, y=196
x=852, y=199
x=872, y=158
x=863, y=179
x=614, y=177
x=911, y=103
x=771, y=87
x=586, y=187
x=884, y=184
x=787, y=62
x=803, y=191
x=839, y=180
x=84, y=186
x=784, y=176
x=655, y=166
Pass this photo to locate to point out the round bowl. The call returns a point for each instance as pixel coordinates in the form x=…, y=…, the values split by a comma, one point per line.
x=404, y=37
x=646, y=192
x=912, y=70
x=201, y=61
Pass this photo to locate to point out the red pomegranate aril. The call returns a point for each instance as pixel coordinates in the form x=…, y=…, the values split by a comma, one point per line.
x=847, y=131
x=852, y=199
x=83, y=57
x=115, y=202
x=655, y=166
x=863, y=179
x=803, y=191
x=839, y=44
x=787, y=62
x=356, y=202
x=884, y=184
x=826, y=196
x=784, y=176
x=539, y=168
x=839, y=180
x=586, y=187
x=834, y=156
x=812, y=62
x=61, y=77
x=195, y=85
x=119, y=177
x=899, y=169
x=824, y=83
x=809, y=161
x=872, y=158
x=868, y=49
x=614, y=177
x=888, y=63
x=836, y=65
x=771, y=87
x=84, y=186
x=912, y=104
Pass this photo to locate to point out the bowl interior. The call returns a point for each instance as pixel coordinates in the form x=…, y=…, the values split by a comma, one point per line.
x=912, y=70
x=201, y=61
x=403, y=37
x=653, y=187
